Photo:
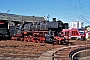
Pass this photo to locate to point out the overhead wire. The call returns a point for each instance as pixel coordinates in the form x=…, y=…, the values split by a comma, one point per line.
x=80, y=8
x=85, y=18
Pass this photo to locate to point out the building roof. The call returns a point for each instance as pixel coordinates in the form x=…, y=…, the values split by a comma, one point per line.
x=15, y=17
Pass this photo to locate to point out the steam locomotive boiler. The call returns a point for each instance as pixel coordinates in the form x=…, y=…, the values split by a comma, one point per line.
x=44, y=31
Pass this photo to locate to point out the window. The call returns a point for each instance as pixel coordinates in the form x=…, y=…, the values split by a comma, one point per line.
x=76, y=33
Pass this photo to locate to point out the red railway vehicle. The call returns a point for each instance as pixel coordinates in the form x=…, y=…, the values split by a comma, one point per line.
x=75, y=33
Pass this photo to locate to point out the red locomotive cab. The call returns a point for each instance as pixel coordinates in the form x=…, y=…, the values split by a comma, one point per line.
x=74, y=33
x=78, y=34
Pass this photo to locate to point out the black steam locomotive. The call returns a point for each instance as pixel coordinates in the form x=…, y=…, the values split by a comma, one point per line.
x=44, y=31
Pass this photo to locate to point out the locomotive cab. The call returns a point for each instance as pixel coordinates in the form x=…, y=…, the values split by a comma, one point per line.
x=78, y=34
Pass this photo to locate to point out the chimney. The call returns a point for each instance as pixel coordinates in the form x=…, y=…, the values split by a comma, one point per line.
x=54, y=19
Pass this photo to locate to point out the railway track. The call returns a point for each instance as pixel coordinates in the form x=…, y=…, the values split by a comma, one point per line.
x=64, y=52
x=17, y=50
x=67, y=52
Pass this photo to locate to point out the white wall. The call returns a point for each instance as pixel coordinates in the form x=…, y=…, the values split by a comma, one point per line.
x=76, y=24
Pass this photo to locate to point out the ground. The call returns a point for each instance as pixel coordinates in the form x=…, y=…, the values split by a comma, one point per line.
x=11, y=49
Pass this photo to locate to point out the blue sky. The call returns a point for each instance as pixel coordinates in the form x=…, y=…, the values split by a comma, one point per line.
x=65, y=10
